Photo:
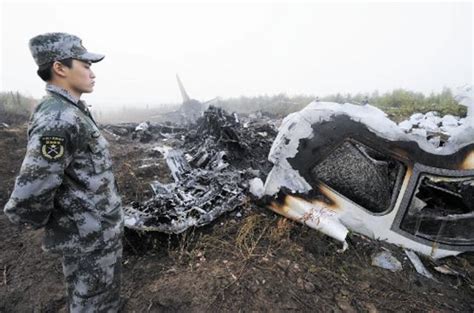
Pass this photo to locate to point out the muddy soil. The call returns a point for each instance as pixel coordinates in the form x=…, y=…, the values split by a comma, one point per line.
x=251, y=261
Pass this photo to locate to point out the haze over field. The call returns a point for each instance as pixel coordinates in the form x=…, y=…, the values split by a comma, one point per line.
x=229, y=50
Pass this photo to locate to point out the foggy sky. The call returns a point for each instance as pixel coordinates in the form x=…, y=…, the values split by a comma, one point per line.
x=229, y=50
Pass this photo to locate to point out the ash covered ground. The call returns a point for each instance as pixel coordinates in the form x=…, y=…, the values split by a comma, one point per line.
x=246, y=259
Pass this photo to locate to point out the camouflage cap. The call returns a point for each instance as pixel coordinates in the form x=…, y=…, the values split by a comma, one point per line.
x=52, y=47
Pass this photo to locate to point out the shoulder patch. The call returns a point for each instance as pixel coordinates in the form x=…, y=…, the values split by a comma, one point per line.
x=52, y=147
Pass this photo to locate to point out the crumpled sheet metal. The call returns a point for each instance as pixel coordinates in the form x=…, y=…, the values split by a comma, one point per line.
x=294, y=193
x=210, y=172
x=196, y=199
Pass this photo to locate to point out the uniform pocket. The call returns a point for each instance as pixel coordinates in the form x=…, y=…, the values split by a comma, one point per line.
x=100, y=156
x=113, y=216
x=89, y=224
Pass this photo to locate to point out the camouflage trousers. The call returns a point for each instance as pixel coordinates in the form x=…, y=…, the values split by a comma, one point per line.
x=93, y=280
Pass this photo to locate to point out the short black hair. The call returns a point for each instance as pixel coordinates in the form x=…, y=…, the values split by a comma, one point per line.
x=45, y=71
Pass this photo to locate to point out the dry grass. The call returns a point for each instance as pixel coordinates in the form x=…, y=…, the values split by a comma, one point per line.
x=282, y=230
x=185, y=247
x=256, y=235
x=127, y=179
x=253, y=229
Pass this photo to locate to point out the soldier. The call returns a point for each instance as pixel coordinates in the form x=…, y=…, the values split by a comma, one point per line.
x=66, y=184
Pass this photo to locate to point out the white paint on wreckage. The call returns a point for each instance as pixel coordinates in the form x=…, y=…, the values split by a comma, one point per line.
x=344, y=215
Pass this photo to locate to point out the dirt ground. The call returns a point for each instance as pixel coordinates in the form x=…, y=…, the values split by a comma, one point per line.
x=252, y=261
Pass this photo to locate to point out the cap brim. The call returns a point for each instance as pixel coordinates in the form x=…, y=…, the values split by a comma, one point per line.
x=91, y=57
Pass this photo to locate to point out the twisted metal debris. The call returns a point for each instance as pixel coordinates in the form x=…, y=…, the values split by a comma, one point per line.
x=211, y=170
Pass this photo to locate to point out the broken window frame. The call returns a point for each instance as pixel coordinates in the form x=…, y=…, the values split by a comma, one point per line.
x=419, y=170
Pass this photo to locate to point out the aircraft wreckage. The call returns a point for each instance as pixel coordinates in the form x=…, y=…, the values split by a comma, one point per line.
x=336, y=168
x=211, y=171
x=216, y=156
x=340, y=167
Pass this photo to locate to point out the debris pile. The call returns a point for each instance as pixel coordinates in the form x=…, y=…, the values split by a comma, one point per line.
x=145, y=131
x=211, y=168
x=245, y=142
x=196, y=199
x=432, y=126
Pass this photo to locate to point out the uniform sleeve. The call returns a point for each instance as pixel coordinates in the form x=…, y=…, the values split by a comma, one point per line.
x=49, y=152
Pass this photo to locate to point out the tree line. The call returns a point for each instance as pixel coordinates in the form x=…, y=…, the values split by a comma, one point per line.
x=15, y=107
x=398, y=104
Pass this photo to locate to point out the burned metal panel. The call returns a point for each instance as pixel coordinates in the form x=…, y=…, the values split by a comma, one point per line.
x=366, y=165
x=343, y=168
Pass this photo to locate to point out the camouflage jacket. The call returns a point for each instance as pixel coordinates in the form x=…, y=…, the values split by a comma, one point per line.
x=66, y=182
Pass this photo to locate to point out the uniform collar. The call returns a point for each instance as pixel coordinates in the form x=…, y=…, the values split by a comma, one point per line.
x=66, y=94
x=62, y=92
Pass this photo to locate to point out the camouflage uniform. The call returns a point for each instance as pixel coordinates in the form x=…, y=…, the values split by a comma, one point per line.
x=66, y=185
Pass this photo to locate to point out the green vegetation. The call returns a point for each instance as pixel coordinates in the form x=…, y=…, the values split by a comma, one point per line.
x=398, y=104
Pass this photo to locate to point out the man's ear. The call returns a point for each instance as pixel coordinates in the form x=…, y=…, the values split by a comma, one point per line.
x=59, y=69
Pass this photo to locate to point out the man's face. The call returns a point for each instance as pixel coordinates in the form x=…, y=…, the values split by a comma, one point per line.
x=80, y=77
